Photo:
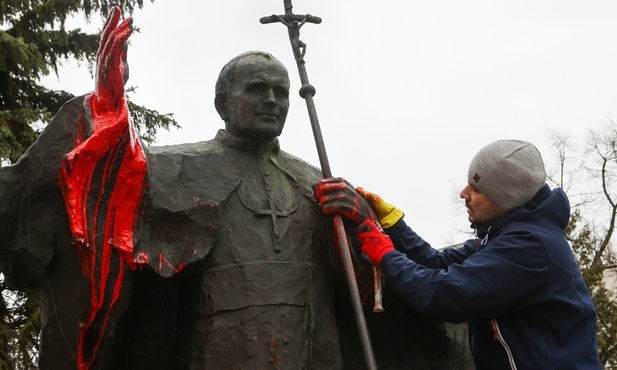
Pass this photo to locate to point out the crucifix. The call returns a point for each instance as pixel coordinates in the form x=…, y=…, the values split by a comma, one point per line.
x=294, y=22
x=273, y=212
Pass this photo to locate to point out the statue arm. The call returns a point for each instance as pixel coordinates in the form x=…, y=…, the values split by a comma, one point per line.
x=50, y=184
x=102, y=185
x=105, y=172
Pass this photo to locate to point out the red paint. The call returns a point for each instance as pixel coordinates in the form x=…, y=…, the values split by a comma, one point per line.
x=277, y=359
x=113, y=145
x=103, y=209
x=142, y=258
x=102, y=181
x=164, y=261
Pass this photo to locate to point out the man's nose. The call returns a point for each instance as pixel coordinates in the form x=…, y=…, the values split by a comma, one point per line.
x=463, y=194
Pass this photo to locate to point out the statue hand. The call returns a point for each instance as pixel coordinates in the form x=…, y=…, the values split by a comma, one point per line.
x=335, y=195
x=111, y=66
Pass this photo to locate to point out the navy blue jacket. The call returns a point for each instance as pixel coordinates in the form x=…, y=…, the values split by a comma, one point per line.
x=517, y=285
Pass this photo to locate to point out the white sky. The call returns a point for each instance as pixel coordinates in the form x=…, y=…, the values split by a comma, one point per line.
x=407, y=91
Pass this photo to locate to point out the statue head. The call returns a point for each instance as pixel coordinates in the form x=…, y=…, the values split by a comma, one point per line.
x=252, y=96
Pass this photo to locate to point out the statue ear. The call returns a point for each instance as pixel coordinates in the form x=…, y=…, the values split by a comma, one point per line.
x=220, y=101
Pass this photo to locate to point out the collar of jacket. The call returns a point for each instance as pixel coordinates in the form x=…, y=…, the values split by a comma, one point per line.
x=485, y=231
x=247, y=145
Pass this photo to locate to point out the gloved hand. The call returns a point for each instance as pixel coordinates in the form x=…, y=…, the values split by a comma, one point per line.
x=335, y=195
x=374, y=243
x=387, y=214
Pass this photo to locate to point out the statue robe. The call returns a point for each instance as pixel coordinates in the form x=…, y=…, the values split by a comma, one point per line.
x=234, y=268
x=262, y=297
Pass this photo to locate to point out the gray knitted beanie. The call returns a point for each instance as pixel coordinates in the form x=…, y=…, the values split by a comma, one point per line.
x=508, y=172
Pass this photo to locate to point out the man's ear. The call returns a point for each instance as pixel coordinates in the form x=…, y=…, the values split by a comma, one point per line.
x=220, y=101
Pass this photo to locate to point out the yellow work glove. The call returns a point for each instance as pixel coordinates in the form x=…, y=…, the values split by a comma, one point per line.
x=387, y=214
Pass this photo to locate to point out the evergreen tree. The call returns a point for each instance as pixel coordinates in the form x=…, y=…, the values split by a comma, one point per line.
x=20, y=326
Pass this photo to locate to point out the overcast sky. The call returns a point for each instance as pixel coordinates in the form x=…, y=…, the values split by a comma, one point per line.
x=407, y=91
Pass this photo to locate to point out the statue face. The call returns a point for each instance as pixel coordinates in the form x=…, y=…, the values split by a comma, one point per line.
x=258, y=100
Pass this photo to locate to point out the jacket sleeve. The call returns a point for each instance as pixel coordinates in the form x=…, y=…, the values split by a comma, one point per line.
x=509, y=274
x=415, y=248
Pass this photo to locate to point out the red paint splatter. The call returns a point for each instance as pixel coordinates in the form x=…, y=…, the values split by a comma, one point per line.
x=164, y=261
x=142, y=258
x=102, y=209
x=277, y=359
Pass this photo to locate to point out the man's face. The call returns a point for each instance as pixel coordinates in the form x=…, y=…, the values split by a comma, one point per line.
x=258, y=100
x=480, y=209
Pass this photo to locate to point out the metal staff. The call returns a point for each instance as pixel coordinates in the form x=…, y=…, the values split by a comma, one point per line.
x=307, y=91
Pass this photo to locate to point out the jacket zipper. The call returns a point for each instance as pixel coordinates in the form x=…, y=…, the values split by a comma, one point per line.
x=499, y=337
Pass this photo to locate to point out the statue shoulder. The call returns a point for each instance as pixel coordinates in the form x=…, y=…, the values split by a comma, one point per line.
x=301, y=167
x=301, y=163
x=304, y=173
x=168, y=160
x=201, y=148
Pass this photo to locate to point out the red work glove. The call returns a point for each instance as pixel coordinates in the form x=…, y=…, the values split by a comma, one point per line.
x=375, y=243
x=335, y=195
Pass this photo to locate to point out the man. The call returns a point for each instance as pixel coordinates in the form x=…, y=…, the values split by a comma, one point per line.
x=517, y=284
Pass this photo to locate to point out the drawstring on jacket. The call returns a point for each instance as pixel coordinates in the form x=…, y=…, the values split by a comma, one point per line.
x=484, y=241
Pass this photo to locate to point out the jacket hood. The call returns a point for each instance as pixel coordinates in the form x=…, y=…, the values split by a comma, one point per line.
x=547, y=206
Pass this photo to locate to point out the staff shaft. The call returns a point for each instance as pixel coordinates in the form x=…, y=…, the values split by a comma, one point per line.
x=341, y=235
x=293, y=23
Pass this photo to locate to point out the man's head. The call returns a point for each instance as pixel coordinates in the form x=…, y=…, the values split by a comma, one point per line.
x=252, y=96
x=502, y=176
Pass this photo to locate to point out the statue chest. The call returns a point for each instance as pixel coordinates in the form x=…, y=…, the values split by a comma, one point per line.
x=265, y=298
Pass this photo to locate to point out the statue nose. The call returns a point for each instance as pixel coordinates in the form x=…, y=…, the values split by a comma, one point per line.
x=269, y=96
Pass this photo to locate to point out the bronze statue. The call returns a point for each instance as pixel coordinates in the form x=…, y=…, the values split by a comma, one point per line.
x=210, y=255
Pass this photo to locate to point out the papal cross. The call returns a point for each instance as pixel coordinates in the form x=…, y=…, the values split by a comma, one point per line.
x=273, y=212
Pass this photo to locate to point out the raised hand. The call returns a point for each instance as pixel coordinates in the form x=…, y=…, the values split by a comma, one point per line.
x=111, y=66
